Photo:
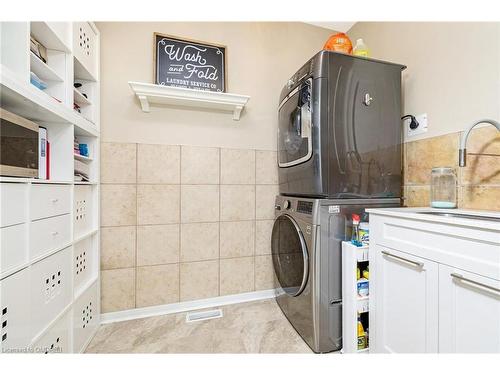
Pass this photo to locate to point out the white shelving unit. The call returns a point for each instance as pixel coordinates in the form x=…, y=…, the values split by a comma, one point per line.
x=49, y=266
x=149, y=94
x=352, y=303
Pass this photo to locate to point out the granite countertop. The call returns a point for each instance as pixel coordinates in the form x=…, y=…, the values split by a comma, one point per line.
x=416, y=214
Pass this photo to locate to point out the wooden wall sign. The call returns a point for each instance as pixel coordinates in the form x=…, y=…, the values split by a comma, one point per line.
x=189, y=64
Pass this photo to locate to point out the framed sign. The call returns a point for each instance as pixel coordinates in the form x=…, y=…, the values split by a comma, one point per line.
x=189, y=63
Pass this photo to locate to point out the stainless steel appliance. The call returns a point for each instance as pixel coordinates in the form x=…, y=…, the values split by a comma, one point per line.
x=340, y=131
x=306, y=252
x=18, y=146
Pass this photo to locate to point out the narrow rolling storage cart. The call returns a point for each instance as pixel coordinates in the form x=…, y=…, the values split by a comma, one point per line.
x=355, y=298
x=49, y=226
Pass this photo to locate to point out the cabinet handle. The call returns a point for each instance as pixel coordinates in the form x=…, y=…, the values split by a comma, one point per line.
x=55, y=200
x=55, y=233
x=417, y=264
x=466, y=280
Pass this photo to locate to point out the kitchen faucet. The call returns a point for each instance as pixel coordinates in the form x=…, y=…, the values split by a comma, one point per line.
x=463, y=141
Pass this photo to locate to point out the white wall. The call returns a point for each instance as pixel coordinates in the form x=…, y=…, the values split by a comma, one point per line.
x=260, y=58
x=453, y=71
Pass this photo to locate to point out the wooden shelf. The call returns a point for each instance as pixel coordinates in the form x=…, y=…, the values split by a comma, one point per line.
x=47, y=36
x=175, y=96
x=80, y=99
x=42, y=70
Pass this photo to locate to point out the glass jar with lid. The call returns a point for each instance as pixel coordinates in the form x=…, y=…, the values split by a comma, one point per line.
x=443, y=188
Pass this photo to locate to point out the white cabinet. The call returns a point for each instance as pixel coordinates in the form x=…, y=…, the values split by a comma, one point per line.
x=407, y=303
x=434, y=283
x=469, y=312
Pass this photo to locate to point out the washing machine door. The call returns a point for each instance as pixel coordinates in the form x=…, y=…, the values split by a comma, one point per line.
x=290, y=256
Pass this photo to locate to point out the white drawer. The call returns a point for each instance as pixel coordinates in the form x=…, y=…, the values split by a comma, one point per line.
x=13, y=207
x=49, y=234
x=51, y=285
x=15, y=311
x=82, y=210
x=85, y=317
x=49, y=200
x=14, y=248
x=56, y=339
x=84, y=262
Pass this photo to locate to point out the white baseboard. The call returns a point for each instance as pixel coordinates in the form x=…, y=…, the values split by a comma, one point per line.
x=174, y=308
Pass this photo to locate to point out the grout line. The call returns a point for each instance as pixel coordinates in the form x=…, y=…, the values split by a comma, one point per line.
x=136, y=220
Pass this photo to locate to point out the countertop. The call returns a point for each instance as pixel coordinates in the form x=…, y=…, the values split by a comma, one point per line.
x=413, y=213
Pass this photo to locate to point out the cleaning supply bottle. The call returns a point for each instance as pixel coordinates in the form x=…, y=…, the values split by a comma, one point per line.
x=355, y=231
x=361, y=334
x=360, y=49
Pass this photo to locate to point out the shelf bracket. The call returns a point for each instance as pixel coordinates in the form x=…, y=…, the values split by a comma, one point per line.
x=144, y=102
x=237, y=113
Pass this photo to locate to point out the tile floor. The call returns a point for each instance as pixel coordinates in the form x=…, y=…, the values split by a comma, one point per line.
x=253, y=327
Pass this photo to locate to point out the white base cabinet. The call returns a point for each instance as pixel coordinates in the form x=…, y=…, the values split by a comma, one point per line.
x=469, y=312
x=434, y=283
x=406, y=303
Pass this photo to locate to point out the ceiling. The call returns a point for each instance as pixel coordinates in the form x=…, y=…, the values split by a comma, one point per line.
x=337, y=26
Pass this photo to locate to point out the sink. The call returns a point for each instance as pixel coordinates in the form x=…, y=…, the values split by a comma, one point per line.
x=460, y=216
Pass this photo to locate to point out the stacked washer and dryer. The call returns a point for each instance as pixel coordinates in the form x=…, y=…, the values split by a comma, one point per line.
x=339, y=152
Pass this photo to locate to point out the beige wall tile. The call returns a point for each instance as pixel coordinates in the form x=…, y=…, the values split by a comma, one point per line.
x=199, y=165
x=118, y=161
x=417, y=196
x=423, y=155
x=266, y=169
x=237, y=166
x=158, y=164
x=118, y=205
x=481, y=197
x=263, y=231
x=264, y=272
x=199, y=203
x=117, y=289
x=237, y=202
x=199, y=241
x=265, y=196
x=237, y=239
x=157, y=204
x=236, y=275
x=117, y=247
x=199, y=280
x=157, y=244
x=157, y=285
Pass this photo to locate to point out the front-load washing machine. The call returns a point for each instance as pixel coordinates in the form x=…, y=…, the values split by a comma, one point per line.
x=306, y=251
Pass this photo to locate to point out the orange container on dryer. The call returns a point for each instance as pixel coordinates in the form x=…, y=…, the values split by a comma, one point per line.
x=339, y=43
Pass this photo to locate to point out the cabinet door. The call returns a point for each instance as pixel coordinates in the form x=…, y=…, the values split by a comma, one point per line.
x=469, y=312
x=406, y=316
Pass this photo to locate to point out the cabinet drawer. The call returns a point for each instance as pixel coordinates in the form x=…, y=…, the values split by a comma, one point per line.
x=82, y=210
x=57, y=337
x=15, y=312
x=49, y=200
x=85, y=317
x=85, y=263
x=14, y=248
x=49, y=234
x=13, y=207
x=51, y=283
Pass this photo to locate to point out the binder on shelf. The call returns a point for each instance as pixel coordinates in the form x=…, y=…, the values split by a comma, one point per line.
x=48, y=160
x=42, y=153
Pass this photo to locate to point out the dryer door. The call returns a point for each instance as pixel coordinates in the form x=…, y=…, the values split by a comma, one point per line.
x=290, y=256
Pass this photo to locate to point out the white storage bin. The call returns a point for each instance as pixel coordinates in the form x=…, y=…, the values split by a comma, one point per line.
x=82, y=210
x=14, y=251
x=49, y=234
x=85, y=50
x=14, y=206
x=51, y=286
x=49, y=200
x=15, y=312
x=84, y=263
x=85, y=317
x=57, y=339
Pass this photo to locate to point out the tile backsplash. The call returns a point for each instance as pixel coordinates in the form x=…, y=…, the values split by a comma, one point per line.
x=478, y=182
x=182, y=223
